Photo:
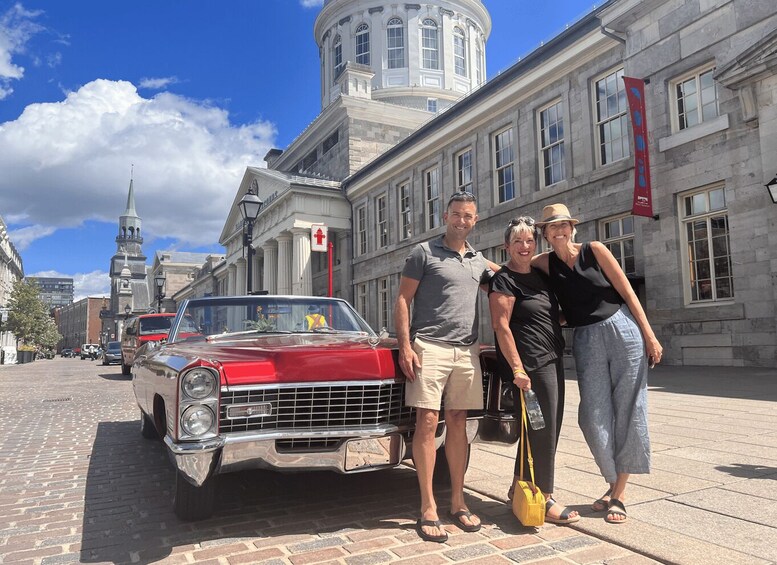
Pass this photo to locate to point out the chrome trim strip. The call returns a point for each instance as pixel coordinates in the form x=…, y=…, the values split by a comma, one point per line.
x=240, y=388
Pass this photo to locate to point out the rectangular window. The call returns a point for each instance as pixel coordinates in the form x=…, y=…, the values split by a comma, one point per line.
x=552, y=143
x=504, y=163
x=395, y=42
x=405, y=212
x=361, y=299
x=384, y=300
x=618, y=236
x=433, y=198
x=431, y=105
x=382, y=220
x=309, y=160
x=612, y=136
x=361, y=230
x=464, y=170
x=705, y=232
x=331, y=141
x=696, y=98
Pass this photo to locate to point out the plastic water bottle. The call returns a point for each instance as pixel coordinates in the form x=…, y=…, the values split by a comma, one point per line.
x=533, y=410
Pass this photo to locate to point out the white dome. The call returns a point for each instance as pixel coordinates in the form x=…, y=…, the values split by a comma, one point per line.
x=423, y=55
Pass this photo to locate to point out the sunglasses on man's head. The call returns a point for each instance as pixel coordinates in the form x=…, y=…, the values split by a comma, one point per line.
x=462, y=196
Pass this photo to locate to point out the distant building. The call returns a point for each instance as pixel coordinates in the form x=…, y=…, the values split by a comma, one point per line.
x=11, y=270
x=80, y=322
x=180, y=269
x=54, y=291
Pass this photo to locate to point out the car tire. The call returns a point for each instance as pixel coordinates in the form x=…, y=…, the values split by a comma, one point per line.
x=441, y=475
x=193, y=503
x=147, y=427
x=125, y=369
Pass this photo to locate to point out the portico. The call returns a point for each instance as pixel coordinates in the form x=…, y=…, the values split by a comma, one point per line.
x=283, y=262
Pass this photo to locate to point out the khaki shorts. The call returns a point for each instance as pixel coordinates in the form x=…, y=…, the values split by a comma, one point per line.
x=450, y=370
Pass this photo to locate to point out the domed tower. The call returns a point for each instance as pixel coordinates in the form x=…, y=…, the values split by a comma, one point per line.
x=425, y=55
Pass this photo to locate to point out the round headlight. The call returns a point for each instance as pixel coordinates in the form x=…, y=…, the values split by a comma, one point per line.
x=198, y=384
x=197, y=420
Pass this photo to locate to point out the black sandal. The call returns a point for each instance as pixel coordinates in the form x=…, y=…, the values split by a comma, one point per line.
x=616, y=508
x=442, y=538
x=600, y=504
x=563, y=518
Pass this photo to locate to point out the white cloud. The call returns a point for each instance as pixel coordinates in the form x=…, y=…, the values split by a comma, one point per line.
x=96, y=283
x=26, y=235
x=157, y=83
x=71, y=162
x=16, y=29
x=311, y=3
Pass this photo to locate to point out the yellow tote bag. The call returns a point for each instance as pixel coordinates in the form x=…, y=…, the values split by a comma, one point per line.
x=528, y=500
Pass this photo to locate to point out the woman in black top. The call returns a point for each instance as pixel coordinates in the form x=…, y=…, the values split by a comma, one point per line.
x=611, y=339
x=529, y=346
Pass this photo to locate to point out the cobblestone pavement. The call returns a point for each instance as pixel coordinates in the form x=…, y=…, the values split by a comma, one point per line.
x=78, y=483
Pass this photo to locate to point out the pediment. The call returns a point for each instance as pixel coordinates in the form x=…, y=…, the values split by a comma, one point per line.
x=751, y=65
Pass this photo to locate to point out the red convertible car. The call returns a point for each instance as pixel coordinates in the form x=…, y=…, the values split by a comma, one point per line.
x=248, y=382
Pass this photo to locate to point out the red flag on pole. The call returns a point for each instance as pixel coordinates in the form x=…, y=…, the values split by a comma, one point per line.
x=635, y=92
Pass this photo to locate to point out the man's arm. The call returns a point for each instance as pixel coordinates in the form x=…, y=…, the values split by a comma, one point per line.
x=408, y=360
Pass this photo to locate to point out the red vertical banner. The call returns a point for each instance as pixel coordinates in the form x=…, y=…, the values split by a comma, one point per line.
x=635, y=92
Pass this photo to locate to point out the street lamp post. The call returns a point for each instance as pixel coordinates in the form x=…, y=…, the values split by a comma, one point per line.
x=249, y=205
x=159, y=281
x=127, y=311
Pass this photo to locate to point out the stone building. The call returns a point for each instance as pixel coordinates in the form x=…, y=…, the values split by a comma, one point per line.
x=11, y=270
x=179, y=269
x=554, y=127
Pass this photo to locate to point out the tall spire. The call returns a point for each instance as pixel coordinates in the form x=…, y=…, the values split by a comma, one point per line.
x=130, y=211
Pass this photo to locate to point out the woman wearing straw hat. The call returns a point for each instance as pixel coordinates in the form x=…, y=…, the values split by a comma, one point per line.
x=613, y=346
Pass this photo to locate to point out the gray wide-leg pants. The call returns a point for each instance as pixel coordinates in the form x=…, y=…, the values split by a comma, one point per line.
x=612, y=370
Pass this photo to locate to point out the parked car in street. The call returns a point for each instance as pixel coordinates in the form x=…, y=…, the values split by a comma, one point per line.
x=89, y=351
x=112, y=353
x=66, y=352
x=141, y=330
x=242, y=383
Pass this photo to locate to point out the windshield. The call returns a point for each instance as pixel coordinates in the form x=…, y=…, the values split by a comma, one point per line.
x=155, y=325
x=209, y=318
x=113, y=346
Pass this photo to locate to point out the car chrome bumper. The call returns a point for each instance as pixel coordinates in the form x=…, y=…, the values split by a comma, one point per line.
x=362, y=450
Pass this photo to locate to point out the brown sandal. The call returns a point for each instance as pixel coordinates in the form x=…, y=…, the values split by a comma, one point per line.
x=601, y=504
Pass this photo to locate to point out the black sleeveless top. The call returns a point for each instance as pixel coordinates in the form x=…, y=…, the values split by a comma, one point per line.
x=584, y=293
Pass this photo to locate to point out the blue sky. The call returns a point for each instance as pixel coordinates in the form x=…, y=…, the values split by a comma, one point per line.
x=189, y=92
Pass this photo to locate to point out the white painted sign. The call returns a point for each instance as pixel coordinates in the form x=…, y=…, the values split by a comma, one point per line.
x=318, y=237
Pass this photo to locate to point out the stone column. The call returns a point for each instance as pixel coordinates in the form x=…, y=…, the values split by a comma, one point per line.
x=302, y=279
x=284, y=264
x=270, y=267
x=240, y=277
x=231, y=289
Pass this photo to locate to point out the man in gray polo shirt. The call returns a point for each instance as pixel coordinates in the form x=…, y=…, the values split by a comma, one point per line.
x=439, y=354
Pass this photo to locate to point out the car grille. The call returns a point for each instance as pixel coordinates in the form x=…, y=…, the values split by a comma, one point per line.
x=319, y=406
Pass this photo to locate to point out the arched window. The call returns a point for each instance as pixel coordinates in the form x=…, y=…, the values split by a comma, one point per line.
x=459, y=52
x=430, y=45
x=395, y=41
x=363, y=44
x=337, y=51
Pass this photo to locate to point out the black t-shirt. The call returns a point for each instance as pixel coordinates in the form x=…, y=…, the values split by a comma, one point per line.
x=585, y=294
x=534, y=319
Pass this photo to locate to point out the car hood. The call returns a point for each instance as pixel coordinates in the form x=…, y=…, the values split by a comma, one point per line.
x=296, y=358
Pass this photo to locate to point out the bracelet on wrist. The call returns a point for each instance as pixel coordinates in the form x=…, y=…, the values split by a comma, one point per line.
x=520, y=372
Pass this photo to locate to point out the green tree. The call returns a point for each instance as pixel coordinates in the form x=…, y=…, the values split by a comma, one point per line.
x=28, y=315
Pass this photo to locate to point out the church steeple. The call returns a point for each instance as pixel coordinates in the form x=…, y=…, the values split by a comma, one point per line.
x=129, y=239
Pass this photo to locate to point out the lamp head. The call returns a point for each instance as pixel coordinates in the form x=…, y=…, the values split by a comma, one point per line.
x=771, y=186
x=250, y=205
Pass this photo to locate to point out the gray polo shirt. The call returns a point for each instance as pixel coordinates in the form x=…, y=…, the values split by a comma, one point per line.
x=445, y=306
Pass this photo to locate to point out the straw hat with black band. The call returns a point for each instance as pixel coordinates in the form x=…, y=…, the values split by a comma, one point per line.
x=556, y=213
